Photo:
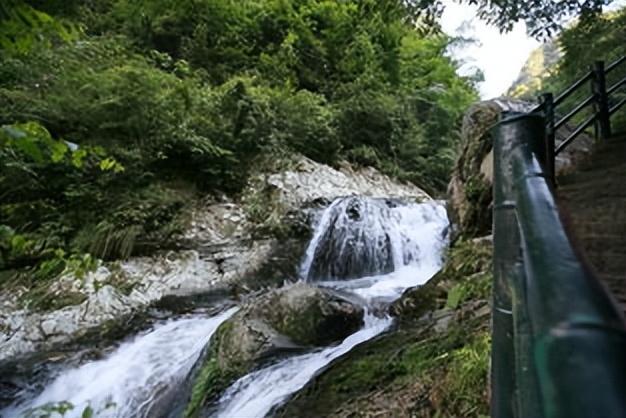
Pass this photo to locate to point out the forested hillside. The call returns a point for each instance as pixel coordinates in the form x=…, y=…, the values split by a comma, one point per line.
x=563, y=60
x=116, y=113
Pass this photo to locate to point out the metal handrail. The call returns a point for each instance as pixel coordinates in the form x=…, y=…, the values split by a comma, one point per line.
x=601, y=115
x=616, y=86
x=561, y=97
x=574, y=112
x=579, y=129
x=558, y=339
x=615, y=64
x=617, y=106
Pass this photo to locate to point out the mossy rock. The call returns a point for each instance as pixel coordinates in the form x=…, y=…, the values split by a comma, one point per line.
x=433, y=364
x=418, y=370
x=282, y=321
x=466, y=275
x=472, y=177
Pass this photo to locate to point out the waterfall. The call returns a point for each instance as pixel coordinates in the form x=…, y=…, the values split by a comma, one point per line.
x=135, y=379
x=373, y=248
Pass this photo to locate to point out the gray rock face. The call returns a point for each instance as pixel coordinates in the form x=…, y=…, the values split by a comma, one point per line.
x=221, y=252
x=108, y=298
x=472, y=178
x=309, y=181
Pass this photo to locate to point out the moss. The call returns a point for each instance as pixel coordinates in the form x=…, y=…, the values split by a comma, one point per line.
x=403, y=363
x=204, y=386
x=434, y=364
x=478, y=194
x=211, y=379
x=465, y=276
x=466, y=378
x=477, y=286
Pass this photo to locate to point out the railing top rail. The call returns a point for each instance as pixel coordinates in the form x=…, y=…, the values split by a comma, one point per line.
x=567, y=332
x=574, y=111
x=616, y=86
x=568, y=92
x=576, y=85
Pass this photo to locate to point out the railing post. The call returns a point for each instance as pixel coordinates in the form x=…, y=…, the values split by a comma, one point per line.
x=547, y=99
x=598, y=85
x=514, y=387
x=506, y=253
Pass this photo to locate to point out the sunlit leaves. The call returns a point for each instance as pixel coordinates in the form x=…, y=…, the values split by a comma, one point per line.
x=33, y=141
x=22, y=26
x=110, y=164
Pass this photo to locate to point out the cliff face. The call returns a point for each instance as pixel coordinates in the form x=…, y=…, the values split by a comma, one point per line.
x=539, y=65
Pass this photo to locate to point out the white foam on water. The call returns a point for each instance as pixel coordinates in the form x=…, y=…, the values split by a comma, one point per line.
x=257, y=393
x=417, y=237
x=128, y=381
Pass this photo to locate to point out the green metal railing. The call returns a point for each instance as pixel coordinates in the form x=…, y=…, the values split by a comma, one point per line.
x=599, y=99
x=559, y=341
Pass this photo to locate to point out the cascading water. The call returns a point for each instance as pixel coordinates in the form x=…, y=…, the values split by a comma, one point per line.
x=373, y=248
x=132, y=380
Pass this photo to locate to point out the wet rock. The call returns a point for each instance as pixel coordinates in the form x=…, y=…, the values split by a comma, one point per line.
x=118, y=290
x=291, y=317
x=288, y=319
x=417, y=301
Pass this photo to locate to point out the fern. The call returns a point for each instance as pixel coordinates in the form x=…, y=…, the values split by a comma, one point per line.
x=113, y=241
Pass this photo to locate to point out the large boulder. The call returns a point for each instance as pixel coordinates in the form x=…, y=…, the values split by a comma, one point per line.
x=283, y=320
x=294, y=316
x=472, y=177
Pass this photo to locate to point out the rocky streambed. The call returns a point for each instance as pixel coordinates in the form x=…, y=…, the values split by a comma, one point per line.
x=195, y=353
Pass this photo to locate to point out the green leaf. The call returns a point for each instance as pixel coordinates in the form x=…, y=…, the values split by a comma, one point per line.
x=58, y=149
x=87, y=412
x=78, y=156
x=107, y=164
x=28, y=146
x=455, y=296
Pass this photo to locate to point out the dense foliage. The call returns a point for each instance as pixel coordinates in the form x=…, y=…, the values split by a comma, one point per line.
x=116, y=113
x=543, y=18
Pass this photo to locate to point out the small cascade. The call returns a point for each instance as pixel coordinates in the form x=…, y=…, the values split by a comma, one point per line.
x=359, y=237
x=372, y=248
x=256, y=394
x=136, y=380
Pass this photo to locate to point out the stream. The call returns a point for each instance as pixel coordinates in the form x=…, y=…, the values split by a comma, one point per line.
x=370, y=249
